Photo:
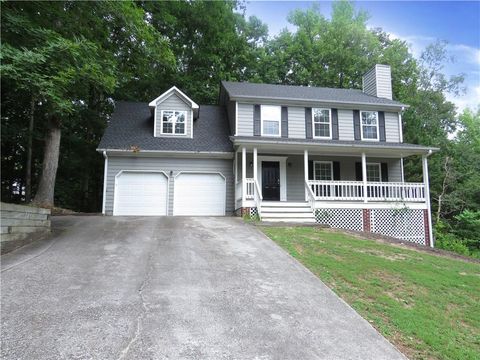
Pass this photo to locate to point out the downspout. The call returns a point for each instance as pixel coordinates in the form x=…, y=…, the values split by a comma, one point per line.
x=104, y=181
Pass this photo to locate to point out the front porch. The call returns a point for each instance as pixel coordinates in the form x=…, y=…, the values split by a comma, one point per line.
x=363, y=192
x=321, y=179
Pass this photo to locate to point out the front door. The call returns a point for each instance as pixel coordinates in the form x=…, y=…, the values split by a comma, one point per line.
x=271, y=180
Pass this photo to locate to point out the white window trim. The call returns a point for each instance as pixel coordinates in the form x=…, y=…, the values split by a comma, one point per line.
x=361, y=126
x=279, y=121
x=329, y=124
x=173, y=127
x=379, y=165
x=322, y=162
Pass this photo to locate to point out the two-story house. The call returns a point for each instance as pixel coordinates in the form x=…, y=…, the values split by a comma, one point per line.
x=279, y=153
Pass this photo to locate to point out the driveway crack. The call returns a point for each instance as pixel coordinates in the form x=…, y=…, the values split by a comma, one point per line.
x=144, y=309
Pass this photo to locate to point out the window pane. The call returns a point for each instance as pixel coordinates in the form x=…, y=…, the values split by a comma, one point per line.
x=373, y=172
x=167, y=127
x=369, y=118
x=179, y=128
x=271, y=112
x=180, y=116
x=322, y=130
x=321, y=115
x=369, y=132
x=271, y=127
x=323, y=171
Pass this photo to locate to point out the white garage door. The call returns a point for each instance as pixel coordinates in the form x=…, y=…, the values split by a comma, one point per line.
x=140, y=193
x=199, y=194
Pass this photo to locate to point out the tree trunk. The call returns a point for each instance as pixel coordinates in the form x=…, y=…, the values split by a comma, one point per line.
x=28, y=170
x=46, y=188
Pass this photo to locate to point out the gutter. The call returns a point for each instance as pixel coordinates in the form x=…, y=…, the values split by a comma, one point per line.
x=104, y=181
x=367, y=146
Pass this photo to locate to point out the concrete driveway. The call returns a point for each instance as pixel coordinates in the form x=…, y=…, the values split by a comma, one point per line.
x=172, y=288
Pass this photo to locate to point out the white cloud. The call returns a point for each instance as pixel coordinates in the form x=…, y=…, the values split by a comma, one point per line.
x=466, y=61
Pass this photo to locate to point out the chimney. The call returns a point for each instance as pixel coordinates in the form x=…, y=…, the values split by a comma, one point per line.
x=378, y=81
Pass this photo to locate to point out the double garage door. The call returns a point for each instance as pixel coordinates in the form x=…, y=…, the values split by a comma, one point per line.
x=147, y=193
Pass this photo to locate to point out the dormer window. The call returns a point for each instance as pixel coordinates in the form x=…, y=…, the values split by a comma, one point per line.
x=369, y=125
x=173, y=122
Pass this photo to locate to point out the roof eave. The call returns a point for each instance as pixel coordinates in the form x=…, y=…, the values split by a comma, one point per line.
x=244, y=97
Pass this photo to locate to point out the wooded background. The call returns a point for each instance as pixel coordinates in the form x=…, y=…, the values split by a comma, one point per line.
x=64, y=63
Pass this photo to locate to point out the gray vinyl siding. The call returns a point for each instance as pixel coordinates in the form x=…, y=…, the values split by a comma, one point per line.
x=173, y=102
x=392, y=131
x=295, y=178
x=370, y=83
x=167, y=164
x=345, y=125
x=384, y=81
x=378, y=82
x=296, y=122
x=245, y=120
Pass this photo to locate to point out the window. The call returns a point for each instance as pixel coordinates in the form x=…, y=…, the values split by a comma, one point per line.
x=369, y=125
x=374, y=172
x=322, y=125
x=323, y=170
x=173, y=122
x=271, y=118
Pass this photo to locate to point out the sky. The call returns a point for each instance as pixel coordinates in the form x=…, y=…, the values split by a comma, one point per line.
x=419, y=23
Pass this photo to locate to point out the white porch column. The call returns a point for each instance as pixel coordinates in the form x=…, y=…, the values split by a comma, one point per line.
x=426, y=183
x=244, y=174
x=255, y=164
x=235, y=168
x=401, y=169
x=305, y=167
x=364, y=177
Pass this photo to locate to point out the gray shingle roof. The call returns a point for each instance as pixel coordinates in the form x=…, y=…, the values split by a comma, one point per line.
x=304, y=93
x=132, y=125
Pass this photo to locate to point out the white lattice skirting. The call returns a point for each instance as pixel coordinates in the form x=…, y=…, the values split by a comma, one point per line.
x=253, y=213
x=350, y=219
x=405, y=224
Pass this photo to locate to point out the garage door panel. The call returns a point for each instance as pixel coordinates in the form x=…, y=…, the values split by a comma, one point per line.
x=199, y=194
x=141, y=193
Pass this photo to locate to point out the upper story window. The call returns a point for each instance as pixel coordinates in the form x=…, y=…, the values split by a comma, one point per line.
x=323, y=170
x=173, y=122
x=271, y=119
x=374, y=172
x=369, y=125
x=322, y=123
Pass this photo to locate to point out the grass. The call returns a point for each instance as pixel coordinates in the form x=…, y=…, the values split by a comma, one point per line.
x=427, y=305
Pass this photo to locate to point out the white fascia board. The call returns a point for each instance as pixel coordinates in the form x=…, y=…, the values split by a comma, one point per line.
x=169, y=153
x=167, y=93
x=314, y=102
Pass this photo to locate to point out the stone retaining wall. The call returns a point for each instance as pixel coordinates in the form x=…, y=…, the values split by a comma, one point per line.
x=22, y=224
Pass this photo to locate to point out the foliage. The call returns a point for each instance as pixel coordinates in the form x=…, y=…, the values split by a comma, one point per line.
x=72, y=58
x=427, y=305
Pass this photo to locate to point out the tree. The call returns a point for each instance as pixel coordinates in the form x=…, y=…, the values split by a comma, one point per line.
x=76, y=54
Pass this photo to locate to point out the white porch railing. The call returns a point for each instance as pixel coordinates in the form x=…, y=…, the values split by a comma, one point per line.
x=258, y=198
x=310, y=195
x=376, y=191
x=249, y=188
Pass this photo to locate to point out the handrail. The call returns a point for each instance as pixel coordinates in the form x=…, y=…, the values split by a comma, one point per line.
x=258, y=198
x=310, y=195
x=249, y=188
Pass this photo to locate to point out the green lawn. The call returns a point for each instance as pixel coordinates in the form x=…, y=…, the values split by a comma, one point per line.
x=427, y=305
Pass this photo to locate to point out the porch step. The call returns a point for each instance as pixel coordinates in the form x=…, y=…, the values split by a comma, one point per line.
x=284, y=204
x=290, y=220
x=278, y=211
x=287, y=215
x=274, y=209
